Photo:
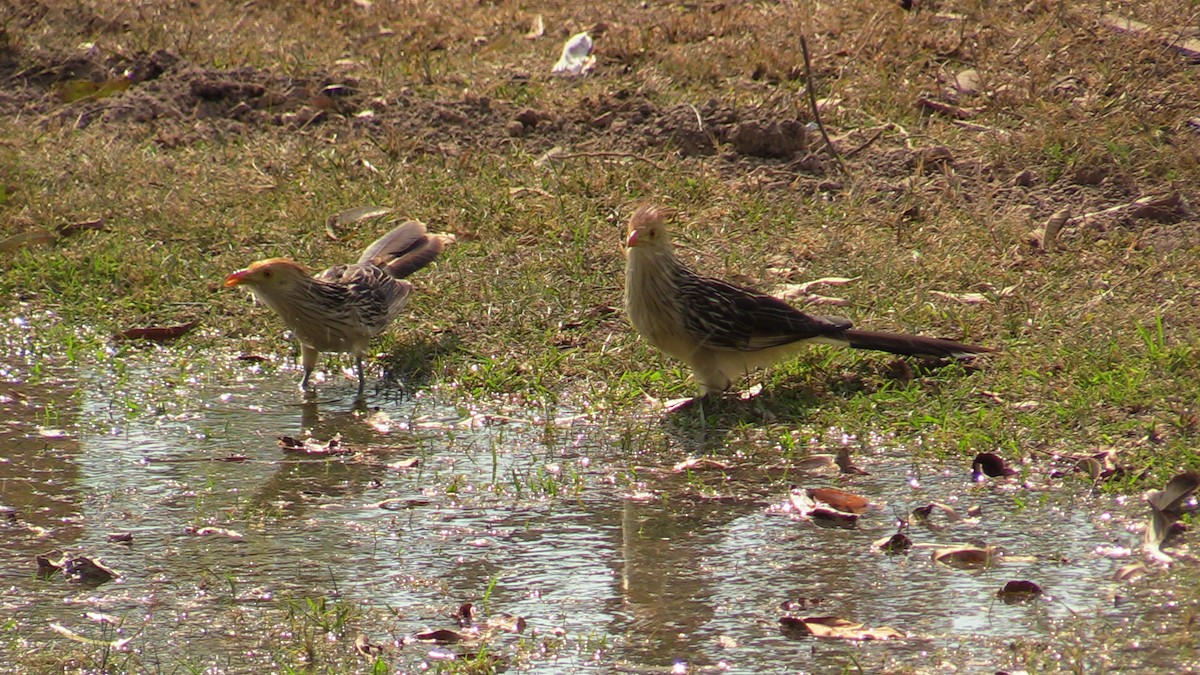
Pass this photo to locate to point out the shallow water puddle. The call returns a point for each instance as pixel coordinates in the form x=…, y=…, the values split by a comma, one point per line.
x=582, y=528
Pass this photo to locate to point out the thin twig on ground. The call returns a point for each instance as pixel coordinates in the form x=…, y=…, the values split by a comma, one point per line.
x=812, y=100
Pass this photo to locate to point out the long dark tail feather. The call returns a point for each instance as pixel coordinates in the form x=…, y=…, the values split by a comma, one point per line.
x=406, y=249
x=912, y=345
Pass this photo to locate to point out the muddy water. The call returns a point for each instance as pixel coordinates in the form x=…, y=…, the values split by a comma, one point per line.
x=577, y=524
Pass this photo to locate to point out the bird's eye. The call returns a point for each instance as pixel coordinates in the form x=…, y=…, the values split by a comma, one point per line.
x=266, y=274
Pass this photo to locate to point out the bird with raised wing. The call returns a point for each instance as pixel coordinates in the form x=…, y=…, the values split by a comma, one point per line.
x=344, y=307
x=723, y=331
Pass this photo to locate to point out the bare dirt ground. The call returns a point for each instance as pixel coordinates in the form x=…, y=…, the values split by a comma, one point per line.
x=171, y=98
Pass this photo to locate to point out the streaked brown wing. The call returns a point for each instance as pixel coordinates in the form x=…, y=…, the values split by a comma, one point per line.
x=727, y=317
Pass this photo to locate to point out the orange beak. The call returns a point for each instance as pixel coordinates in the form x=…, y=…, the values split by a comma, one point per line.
x=237, y=278
x=632, y=239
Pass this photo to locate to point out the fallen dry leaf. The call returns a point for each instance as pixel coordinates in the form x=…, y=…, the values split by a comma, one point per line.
x=964, y=298
x=824, y=516
x=990, y=464
x=1019, y=591
x=207, y=531
x=351, y=216
x=507, y=623
x=158, y=333
x=84, y=570
x=364, y=646
x=311, y=446
x=922, y=514
x=837, y=628
x=27, y=239
x=441, y=636
x=839, y=499
x=68, y=229
x=1054, y=225
x=699, y=463
x=537, y=28
x=816, y=463
x=896, y=543
x=966, y=557
x=798, y=291
x=967, y=81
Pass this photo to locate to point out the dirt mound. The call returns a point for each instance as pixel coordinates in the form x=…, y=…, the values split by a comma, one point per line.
x=181, y=103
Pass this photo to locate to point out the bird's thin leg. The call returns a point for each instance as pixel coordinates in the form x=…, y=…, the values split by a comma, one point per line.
x=308, y=359
x=361, y=379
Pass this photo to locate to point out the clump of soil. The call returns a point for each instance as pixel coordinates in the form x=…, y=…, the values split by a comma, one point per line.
x=183, y=103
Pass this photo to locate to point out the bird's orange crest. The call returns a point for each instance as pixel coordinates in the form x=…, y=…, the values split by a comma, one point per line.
x=274, y=263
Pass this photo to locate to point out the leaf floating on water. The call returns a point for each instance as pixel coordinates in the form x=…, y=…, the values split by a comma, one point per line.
x=465, y=615
x=699, y=463
x=507, y=623
x=120, y=537
x=84, y=570
x=49, y=563
x=990, y=464
x=403, y=464
x=726, y=642
x=922, y=514
x=833, y=627
x=823, y=516
x=364, y=646
x=313, y=447
x=380, y=421
x=158, y=333
x=398, y=504
x=816, y=463
x=1019, y=591
x=442, y=636
x=897, y=543
x=839, y=499
x=206, y=531
x=966, y=557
